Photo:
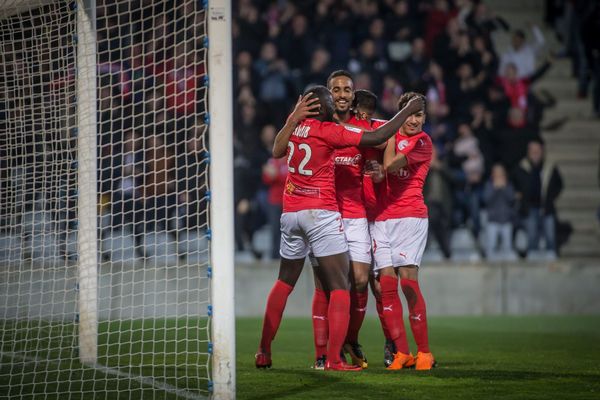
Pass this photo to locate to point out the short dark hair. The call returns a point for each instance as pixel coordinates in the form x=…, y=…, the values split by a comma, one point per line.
x=519, y=33
x=339, y=72
x=316, y=90
x=326, y=109
x=365, y=99
x=405, y=98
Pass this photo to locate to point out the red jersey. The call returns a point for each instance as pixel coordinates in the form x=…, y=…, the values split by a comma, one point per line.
x=349, y=166
x=310, y=182
x=404, y=194
x=372, y=192
x=276, y=182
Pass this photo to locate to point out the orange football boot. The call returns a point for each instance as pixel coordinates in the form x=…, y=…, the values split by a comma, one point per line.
x=425, y=361
x=401, y=360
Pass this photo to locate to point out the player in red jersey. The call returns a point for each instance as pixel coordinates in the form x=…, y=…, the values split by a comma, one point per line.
x=349, y=168
x=365, y=104
x=311, y=220
x=400, y=232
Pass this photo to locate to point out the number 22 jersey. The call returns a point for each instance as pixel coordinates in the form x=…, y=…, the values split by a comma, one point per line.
x=311, y=179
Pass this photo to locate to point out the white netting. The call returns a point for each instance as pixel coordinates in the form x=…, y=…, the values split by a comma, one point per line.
x=152, y=188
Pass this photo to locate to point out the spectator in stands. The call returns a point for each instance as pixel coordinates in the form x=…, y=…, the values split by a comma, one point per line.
x=274, y=174
x=523, y=54
x=401, y=24
x=126, y=175
x=182, y=77
x=590, y=32
x=482, y=125
x=499, y=198
x=318, y=70
x=417, y=63
x=297, y=43
x=192, y=176
x=158, y=208
x=469, y=168
x=436, y=21
x=273, y=81
x=438, y=197
x=369, y=61
x=438, y=109
x=538, y=184
x=513, y=138
x=517, y=90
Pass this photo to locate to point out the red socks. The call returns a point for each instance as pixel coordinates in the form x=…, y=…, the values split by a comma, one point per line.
x=379, y=306
x=417, y=313
x=320, y=323
x=339, y=316
x=392, y=312
x=358, y=309
x=273, y=312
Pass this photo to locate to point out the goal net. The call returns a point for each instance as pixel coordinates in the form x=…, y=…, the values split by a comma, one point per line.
x=105, y=232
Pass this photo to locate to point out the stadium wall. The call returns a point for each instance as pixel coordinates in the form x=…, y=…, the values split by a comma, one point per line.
x=564, y=287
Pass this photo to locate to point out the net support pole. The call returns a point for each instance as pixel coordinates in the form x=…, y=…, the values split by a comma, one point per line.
x=87, y=243
x=221, y=205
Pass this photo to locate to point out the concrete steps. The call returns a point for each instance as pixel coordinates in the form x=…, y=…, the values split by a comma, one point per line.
x=574, y=146
x=574, y=178
x=579, y=198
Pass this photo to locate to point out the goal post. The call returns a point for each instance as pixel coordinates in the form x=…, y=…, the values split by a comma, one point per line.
x=116, y=199
x=221, y=139
x=87, y=239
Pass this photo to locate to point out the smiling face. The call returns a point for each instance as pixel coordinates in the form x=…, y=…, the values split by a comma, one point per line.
x=414, y=123
x=342, y=90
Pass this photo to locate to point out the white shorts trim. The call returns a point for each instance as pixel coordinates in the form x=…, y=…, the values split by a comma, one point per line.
x=359, y=239
x=399, y=242
x=321, y=231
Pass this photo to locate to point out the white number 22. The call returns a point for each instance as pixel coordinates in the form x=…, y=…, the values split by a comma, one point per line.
x=307, y=154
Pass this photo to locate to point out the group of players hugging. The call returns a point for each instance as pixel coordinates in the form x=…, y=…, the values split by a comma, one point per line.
x=353, y=202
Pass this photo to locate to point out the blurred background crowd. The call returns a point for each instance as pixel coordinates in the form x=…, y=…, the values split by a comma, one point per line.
x=489, y=176
x=482, y=114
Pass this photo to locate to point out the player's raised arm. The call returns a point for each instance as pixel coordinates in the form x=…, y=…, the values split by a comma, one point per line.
x=305, y=107
x=387, y=130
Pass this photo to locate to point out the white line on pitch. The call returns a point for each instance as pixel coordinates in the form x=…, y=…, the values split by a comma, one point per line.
x=144, y=380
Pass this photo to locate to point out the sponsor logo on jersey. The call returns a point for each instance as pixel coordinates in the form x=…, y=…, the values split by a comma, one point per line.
x=349, y=161
x=402, y=173
x=296, y=190
x=353, y=129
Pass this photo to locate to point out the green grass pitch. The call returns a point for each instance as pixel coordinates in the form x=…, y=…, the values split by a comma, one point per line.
x=478, y=358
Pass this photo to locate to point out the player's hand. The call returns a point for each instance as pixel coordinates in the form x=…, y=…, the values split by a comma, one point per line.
x=373, y=168
x=305, y=107
x=415, y=104
x=361, y=116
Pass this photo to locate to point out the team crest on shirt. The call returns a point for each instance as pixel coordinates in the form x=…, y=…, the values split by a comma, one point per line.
x=289, y=188
x=402, y=144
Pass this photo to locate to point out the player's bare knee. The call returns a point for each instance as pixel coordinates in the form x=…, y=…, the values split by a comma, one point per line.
x=409, y=272
x=290, y=270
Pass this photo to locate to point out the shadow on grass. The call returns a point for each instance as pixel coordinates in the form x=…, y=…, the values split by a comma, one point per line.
x=307, y=381
x=457, y=371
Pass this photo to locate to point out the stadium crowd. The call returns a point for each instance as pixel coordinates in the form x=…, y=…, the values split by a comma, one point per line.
x=482, y=113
